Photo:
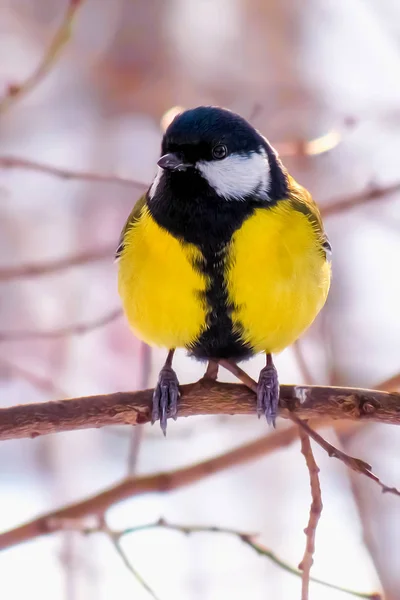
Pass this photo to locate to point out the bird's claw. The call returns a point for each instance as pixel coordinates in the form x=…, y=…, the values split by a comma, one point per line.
x=165, y=398
x=268, y=394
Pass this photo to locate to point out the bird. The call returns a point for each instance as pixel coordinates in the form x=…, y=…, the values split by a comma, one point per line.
x=225, y=255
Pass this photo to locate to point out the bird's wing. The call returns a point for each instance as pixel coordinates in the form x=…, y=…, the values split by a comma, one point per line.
x=303, y=202
x=134, y=216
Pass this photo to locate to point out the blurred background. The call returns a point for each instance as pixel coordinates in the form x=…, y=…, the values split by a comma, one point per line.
x=320, y=80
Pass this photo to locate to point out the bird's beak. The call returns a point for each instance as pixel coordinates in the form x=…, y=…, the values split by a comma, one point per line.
x=172, y=162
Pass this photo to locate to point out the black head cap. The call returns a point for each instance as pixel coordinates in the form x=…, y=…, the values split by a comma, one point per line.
x=207, y=126
x=196, y=134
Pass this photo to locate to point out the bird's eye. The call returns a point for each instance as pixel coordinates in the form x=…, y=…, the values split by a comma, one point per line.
x=219, y=151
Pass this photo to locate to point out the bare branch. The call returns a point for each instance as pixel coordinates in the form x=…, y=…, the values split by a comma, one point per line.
x=356, y=464
x=11, y=162
x=333, y=207
x=314, y=147
x=116, y=542
x=44, y=384
x=389, y=385
x=75, y=329
x=137, y=433
x=365, y=196
x=62, y=36
x=302, y=363
x=158, y=482
x=248, y=539
x=201, y=398
x=315, y=513
x=57, y=265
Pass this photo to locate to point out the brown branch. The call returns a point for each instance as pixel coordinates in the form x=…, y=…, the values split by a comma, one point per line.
x=345, y=203
x=12, y=162
x=208, y=397
x=158, y=482
x=356, y=464
x=75, y=329
x=16, y=91
x=389, y=385
x=314, y=147
x=315, y=513
x=57, y=265
x=333, y=207
x=44, y=384
x=201, y=398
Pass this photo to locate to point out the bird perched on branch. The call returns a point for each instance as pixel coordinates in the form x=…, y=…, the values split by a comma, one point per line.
x=225, y=255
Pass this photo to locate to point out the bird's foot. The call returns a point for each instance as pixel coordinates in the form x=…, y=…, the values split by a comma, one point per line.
x=165, y=397
x=268, y=394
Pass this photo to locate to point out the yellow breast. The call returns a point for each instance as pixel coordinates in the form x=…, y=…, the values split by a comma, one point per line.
x=159, y=286
x=277, y=277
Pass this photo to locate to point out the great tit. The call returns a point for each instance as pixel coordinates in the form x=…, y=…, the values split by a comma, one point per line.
x=225, y=255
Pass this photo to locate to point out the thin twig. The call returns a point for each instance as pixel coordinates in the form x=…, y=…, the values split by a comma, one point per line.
x=158, y=482
x=74, y=329
x=329, y=208
x=61, y=38
x=44, y=384
x=302, y=363
x=248, y=539
x=315, y=513
x=115, y=540
x=238, y=372
x=345, y=203
x=13, y=162
x=137, y=433
x=53, y=266
x=356, y=464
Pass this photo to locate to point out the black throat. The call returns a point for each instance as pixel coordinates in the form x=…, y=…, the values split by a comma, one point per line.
x=188, y=208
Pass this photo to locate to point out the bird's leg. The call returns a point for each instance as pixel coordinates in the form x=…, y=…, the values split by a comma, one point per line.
x=268, y=392
x=267, y=388
x=166, y=394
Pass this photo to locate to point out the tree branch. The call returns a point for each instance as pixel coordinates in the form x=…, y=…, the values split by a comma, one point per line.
x=14, y=162
x=16, y=91
x=51, y=334
x=115, y=539
x=53, y=266
x=247, y=539
x=40, y=382
x=315, y=513
x=158, y=482
x=201, y=398
x=332, y=207
x=365, y=196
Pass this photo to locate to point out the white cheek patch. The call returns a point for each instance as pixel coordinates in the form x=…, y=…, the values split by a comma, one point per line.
x=238, y=175
x=156, y=181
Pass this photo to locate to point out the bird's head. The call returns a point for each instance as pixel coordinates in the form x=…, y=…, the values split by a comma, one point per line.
x=225, y=151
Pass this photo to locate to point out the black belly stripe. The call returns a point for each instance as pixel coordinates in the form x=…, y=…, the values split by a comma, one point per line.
x=219, y=340
x=188, y=208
